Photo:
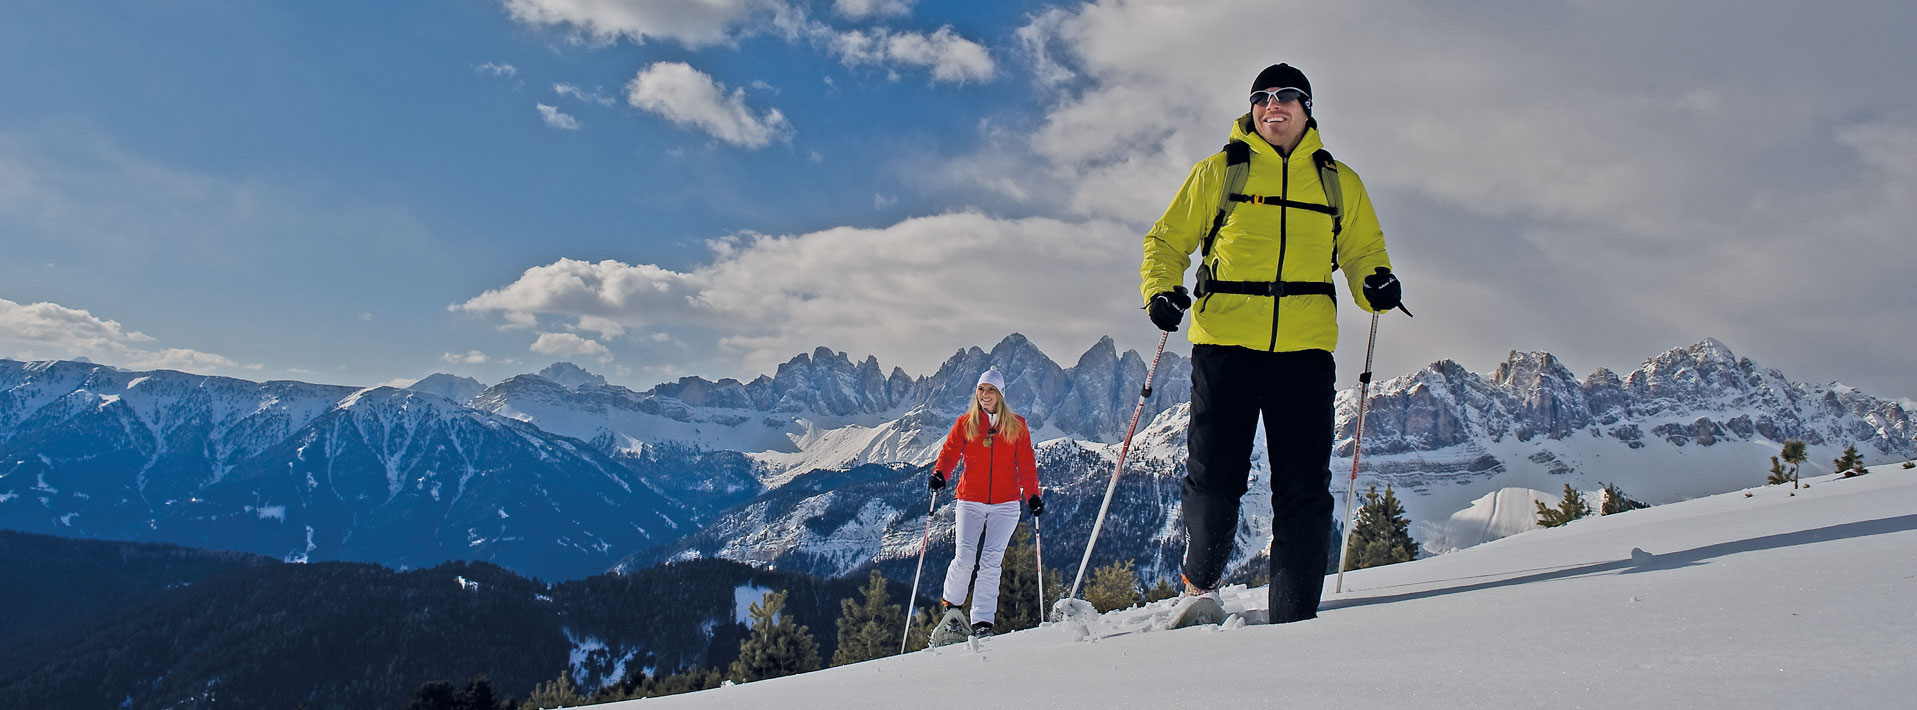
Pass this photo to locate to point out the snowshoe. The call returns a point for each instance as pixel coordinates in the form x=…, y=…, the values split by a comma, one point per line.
x=951, y=629
x=1196, y=609
x=982, y=629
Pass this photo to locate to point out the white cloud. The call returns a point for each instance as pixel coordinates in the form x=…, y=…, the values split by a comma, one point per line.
x=52, y=331
x=470, y=357
x=496, y=69
x=1034, y=39
x=863, y=9
x=364, y=316
x=578, y=94
x=693, y=23
x=910, y=293
x=700, y=23
x=690, y=98
x=605, y=327
x=570, y=344
x=948, y=56
x=556, y=119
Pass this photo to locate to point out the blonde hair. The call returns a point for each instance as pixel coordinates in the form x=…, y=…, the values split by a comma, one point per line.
x=1008, y=421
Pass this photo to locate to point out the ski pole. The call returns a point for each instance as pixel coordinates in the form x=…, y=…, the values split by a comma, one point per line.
x=1123, y=449
x=1357, y=440
x=1038, y=551
x=913, y=600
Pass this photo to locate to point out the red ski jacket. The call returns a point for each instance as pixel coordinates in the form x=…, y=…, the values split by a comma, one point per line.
x=997, y=469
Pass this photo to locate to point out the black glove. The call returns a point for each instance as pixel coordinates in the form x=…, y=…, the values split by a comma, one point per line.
x=1168, y=308
x=1383, y=290
x=936, y=481
x=1037, y=505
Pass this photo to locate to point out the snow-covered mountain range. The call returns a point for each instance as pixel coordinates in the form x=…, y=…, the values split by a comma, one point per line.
x=817, y=467
x=1461, y=448
x=822, y=410
x=303, y=471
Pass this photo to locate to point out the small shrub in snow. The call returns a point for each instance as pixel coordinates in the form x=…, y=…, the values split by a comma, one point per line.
x=1113, y=587
x=1164, y=589
x=1794, y=453
x=1851, y=463
x=1570, y=508
x=1616, y=502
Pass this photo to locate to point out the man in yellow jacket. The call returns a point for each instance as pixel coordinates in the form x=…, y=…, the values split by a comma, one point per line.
x=1264, y=327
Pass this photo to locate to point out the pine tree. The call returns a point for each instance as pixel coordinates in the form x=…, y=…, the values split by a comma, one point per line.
x=1113, y=587
x=1779, y=475
x=1794, y=454
x=433, y=695
x=1616, y=502
x=1164, y=589
x=1382, y=534
x=870, y=629
x=777, y=647
x=1851, y=463
x=478, y=695
x=1570, y=508
x=686, y=682
x=557, y=693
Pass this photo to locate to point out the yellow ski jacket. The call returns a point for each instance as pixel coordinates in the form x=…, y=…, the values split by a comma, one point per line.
x=1266, y=242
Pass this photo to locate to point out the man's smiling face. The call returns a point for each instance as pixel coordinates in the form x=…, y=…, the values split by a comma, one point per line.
x=1281, y=123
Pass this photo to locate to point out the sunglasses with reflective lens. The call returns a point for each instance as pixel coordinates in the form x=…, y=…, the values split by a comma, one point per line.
x=1284, y=96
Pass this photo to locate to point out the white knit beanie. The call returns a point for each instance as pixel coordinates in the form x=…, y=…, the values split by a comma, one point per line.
x=993, y=378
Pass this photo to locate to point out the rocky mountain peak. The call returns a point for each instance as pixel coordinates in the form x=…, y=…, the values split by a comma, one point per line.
x=453, y=387
x=1532, y=370
x=570, y=375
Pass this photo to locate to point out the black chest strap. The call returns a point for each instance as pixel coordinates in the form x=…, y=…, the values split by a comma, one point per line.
x=1275, y=289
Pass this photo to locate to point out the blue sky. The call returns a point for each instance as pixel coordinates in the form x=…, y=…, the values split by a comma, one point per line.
x=364, y=192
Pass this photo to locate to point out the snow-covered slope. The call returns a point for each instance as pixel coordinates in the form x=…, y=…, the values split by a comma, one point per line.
x=1728, y=602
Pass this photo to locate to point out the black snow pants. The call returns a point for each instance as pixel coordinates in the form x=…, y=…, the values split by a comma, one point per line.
x=1231, y=388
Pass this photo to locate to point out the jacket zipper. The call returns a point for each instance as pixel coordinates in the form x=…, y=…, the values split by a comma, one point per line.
x=991, y=465
x=1284, y=193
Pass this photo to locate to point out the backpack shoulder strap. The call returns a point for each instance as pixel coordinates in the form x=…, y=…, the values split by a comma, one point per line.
x=1334, y=197
x=1237, y=171
x=1328, y=174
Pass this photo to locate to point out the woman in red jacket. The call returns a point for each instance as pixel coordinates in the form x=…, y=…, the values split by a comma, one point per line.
x=995, y=447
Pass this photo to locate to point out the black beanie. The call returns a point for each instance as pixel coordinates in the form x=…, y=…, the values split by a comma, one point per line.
x=1284, y=76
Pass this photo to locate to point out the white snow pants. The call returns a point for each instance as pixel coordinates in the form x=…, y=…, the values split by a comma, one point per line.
x=996, y=521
